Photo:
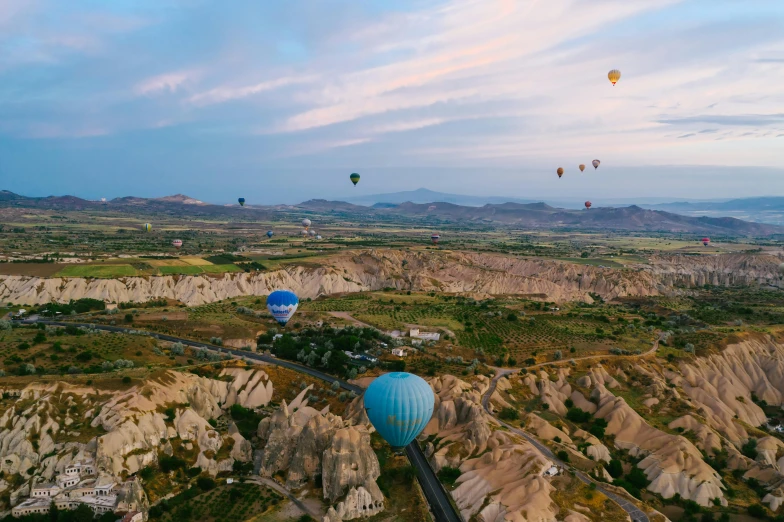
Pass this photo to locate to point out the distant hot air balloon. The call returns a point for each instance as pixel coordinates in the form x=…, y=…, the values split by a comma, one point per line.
x=595, y=164
x=705, y=241
x=399, y=405
x=304, y=232
x=312, y=233
x=177, y=243
x=434, y=238
x=103, y=200
x=318, y=236
x=270, y=233
x=559, y=172
x=582, y=167
x=587, y=204
x=282, y=304
x=241, y=201
x=147, y=227
x=354, y=178
x=306, y=223
x=614, y=76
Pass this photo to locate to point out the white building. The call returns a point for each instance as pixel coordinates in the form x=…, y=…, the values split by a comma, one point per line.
x=551, y=472
x=400, y=352
x=425, y=336
x=45, y=489
x=32, y=505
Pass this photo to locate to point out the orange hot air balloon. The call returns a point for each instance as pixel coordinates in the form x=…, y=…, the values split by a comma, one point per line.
x=582, y=167
x=559, y=172
x=614, y=76
x=587, y=204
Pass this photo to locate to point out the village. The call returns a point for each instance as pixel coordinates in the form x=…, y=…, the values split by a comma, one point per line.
x=79, y=484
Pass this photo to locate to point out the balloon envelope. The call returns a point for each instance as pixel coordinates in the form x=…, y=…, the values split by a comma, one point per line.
x=582, y=167
x=614, y=76
x=435, y=238
x=241, y=201
x=282, y=304
x=587, y=204
x=559, y=172
x=705, y=241
x=270, y=233
x=595, y=164
x=306, y=223
x=147, y=227
x=177, y=243
x=399, y=405
x=354, y=178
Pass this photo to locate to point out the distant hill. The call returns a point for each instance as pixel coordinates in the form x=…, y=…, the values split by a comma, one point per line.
x=535, y=215
x=762, y=210
x=423, y=195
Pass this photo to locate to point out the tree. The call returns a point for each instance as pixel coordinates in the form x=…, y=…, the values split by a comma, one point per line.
x=558, y=355
x=578, y=415
x=448, y=475
x=563, y=456
x=205, y=483
x=615, y=468
x=636, y=477
x=757, y=511
x=128, y=318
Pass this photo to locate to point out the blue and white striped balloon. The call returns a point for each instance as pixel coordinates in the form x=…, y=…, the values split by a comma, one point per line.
x=282, y=304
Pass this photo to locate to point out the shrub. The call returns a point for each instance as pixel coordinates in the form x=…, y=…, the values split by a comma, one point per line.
x=509, y=414
x=448, y=475
x=205, y=483
x=178, y=349
x=39, y=338
x=168, y=464
x=23, y=346
x=757, y=511
x=563, y=456
x=578, y=415
x=749, y=449
x=128, y=318
x=126, y=380
x=558, y=355
x=636, y=477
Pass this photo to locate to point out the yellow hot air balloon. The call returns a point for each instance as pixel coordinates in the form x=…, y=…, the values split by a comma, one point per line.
x=614, y=76
x=582, y=167
x=559, y=172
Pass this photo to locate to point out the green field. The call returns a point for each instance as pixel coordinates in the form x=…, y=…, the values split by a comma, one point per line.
x=106, y=271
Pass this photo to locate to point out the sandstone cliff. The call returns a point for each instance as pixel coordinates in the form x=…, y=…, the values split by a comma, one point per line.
x=459, y=272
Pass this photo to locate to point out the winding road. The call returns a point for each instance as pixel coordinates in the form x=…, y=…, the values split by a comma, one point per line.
x=634, y=512
x=437, y=497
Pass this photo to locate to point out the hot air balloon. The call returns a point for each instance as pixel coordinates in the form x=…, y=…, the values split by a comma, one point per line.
x=270, y=233
x=399, y=405
x=434, y=238
x=177, y=243
x=282, y=304
x=705, y=241
x=559, y=172
x=304, y=232
x=147, y=227
x=241, y=201
x=587, y=204
x=312, y=233
x=306, y=223
x=318, y=236
x=614, y=76
x=354, y=178
x=581, y=167
x=595, y=164
x=103, y=200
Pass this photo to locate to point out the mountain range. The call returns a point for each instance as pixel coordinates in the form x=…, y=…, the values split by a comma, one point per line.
x=432, y=213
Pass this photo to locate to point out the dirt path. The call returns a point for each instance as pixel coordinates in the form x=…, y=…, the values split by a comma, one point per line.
x=348, y=317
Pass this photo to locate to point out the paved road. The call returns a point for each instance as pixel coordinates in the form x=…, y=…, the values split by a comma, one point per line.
x=436, y=495
x=634, y=512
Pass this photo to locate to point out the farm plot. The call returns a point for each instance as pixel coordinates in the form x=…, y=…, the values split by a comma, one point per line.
x=101, y=271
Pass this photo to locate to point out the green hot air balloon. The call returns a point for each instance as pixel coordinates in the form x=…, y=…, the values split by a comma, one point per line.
x=241, y=201
x=354, y=178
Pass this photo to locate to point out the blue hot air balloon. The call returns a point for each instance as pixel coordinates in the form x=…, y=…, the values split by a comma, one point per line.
x=270, y=233
x=241, y=201
x=282, y=304
x=399, y=405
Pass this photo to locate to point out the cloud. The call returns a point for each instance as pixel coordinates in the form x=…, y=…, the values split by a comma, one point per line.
x=687, y=135
x=708, y=131
x=224, y=93
x=730, y=120
x=169, y=82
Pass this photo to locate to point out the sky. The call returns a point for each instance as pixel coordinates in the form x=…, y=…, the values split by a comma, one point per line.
x=280, y=101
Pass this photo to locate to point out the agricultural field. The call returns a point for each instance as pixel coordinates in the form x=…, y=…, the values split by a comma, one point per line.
x=241, y=501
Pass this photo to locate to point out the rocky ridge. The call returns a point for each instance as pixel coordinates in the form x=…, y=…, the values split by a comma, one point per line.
x=454, y=272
